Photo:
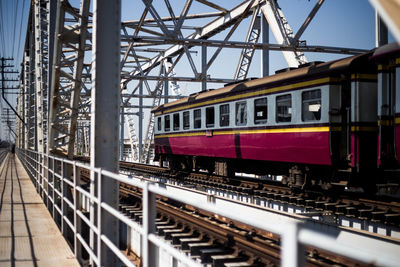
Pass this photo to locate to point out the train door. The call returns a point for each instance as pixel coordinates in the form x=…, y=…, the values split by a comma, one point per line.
x=339, y=101
x=386, y=117
x=363, y=122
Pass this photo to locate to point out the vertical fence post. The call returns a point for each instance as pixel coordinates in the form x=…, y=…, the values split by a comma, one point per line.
x=41, y=175
x=92, y=211
x=37, y=173
x=292, y=254
x=149, y=251
x=54, y=186
x=99, y=216
x=77, y=221
x=46, y=178
x=64, y=206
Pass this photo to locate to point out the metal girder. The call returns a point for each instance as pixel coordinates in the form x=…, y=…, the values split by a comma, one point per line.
x=134, y=141
x=237, y=44
x=134, y=23
x=28, y=91
x=105, y=114
x=167, y=70
x=246, y=56
x=283, y=32
x=213, y=5
x=41, y=24
x=307, y=22
x=183, y=79
x=68, y=76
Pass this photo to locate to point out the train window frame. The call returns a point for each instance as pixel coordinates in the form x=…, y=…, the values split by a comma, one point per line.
x=210, y=117
x=282, y=117
x=186, y=120
x=314, y=101
x=159, y=126
x=176, y=121
x=197, y=118
x=224, y=115
x=241, y=112
x=261, y=119
x=167, y=125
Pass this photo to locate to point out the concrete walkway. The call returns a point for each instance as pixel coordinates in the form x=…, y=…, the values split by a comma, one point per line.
x=28, y=234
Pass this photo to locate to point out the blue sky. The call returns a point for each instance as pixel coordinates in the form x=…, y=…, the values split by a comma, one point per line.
x=341, y=23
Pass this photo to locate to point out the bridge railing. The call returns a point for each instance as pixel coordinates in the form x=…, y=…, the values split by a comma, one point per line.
x=58, y=182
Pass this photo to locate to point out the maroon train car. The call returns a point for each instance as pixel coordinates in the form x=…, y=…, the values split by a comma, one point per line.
x=315, y=123
x=387, y=59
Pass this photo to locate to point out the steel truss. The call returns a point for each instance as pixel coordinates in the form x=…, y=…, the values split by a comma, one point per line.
x=156, y=45
x=70, y=85
x=41, y=21
x=34, y=79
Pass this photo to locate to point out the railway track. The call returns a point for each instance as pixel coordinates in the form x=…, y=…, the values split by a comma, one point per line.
x=353, y=205
x=214, y=240
x=209, y=238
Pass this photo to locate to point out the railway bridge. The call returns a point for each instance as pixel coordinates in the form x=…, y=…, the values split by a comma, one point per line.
x=78, y=116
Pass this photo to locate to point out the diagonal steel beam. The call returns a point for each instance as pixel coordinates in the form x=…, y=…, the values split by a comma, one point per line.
x=182, y=17
x=231, y=31
x=77, y=75
x=307, y=21
x=157, y=17
x=213, y=5
x=283, y=32
x=246, y=55
x=178, y=33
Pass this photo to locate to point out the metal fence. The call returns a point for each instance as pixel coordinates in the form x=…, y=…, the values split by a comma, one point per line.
x=57, y=180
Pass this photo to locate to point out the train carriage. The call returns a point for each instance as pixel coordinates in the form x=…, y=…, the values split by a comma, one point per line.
x=387, y=59
x=312, y=123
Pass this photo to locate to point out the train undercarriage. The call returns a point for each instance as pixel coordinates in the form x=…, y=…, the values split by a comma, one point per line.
x=295, y=176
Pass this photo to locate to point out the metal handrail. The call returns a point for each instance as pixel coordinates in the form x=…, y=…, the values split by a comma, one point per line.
x=293, y=235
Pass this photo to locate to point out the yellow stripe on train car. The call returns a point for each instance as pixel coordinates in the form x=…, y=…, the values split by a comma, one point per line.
x=257, y=131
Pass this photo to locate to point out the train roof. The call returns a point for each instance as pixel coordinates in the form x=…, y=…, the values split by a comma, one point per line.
x=386, y=51
x=358, y=62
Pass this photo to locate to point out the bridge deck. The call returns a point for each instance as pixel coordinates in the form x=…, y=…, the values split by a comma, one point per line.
x=28, y=235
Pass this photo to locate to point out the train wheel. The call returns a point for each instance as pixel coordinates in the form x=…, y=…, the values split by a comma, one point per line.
x=298, y=177
x=188, y=164
x=173, y=164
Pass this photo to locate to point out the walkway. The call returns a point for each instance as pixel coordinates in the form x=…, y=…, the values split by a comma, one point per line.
x=28, y=234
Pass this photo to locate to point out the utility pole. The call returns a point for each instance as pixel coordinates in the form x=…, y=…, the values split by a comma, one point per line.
x=3, y=86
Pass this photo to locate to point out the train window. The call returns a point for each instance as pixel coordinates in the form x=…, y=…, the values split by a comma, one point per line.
x=197, y=118
x=311, y=105
x=210, y=117
x=224, y=115
x=159, y=123
x=186, y=122
x=167, y=126
x=176, y=122
x=284, y=108
x=241, y=113
x=260, y=111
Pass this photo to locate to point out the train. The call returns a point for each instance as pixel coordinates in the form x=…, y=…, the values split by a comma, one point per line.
x=319, y=124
